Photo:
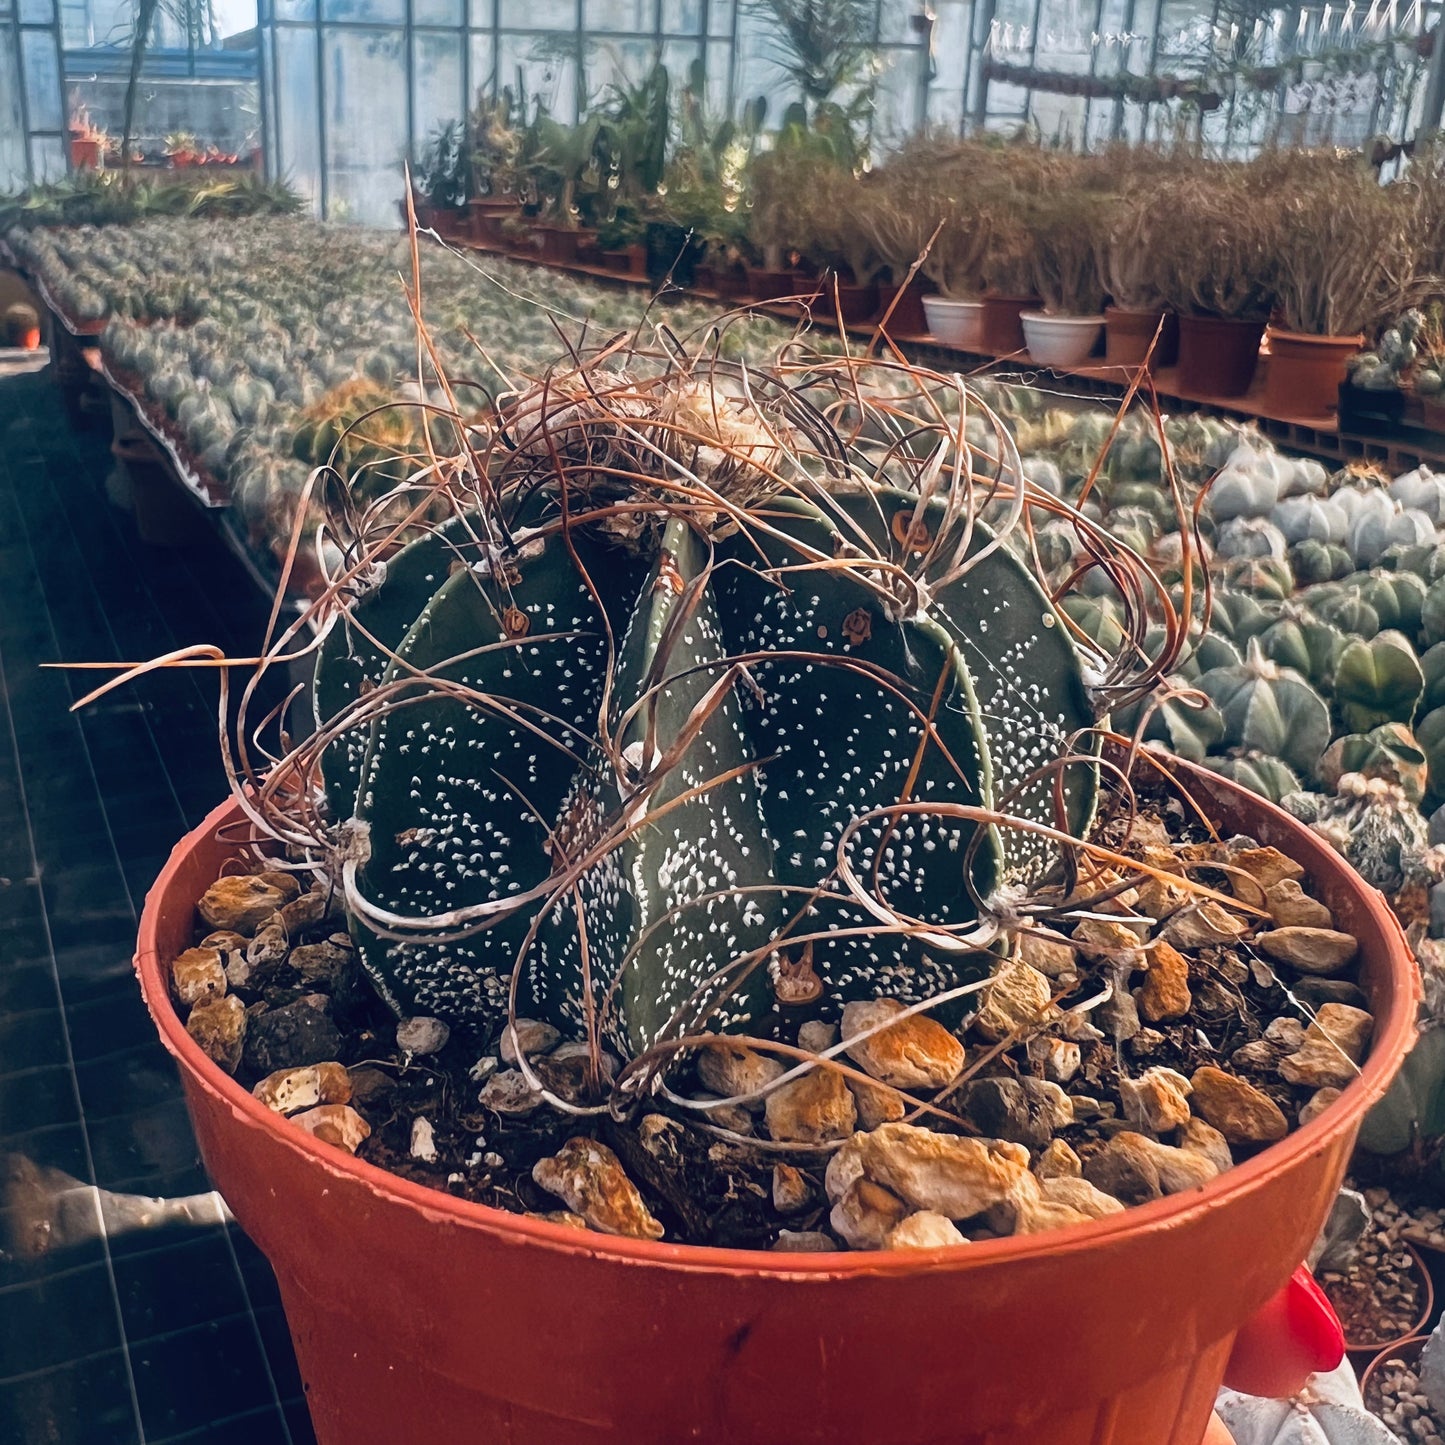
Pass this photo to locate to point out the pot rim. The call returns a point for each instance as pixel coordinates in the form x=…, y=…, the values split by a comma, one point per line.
x=936, y=298
x=1334, y=341
x=1061, y=318
x=1168, y=1213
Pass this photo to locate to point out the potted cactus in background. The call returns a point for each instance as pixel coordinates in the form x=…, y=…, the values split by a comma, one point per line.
x=1065, y=229
x=1347, y=260
x=1216, y=266
x=1137, y=324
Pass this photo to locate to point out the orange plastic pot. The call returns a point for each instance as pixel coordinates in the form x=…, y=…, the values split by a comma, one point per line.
x=1304, y=372
x=1128, y=335
x=1218, y=354
x=421, y=1318
x=1002, y=331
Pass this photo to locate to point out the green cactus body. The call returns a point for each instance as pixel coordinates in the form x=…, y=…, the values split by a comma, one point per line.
x=1389, y=752
x=1304, y=643
x=1432, y=669
x=1270, y=710
x=1314, y=561
x=1211, y=650
x=1268, y=777
x=1344, y=609
x=1188, y=732
x=1395, y=597
x=1098, y=618
x=1378, y=681
x=1239, y=616
x=1432, y=614
x=1267, y=578
x=818, y=701
x=1430, y=735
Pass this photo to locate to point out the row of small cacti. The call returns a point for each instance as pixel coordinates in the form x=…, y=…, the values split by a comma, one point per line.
x=257, y=338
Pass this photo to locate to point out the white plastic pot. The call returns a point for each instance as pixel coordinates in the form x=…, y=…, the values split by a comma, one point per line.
x=954, y=323
x=1060, y=340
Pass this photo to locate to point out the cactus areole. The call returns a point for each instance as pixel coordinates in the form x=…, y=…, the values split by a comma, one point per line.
x=666, y=753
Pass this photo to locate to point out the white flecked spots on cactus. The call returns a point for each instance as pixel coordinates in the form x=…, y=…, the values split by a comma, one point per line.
x=813, y=697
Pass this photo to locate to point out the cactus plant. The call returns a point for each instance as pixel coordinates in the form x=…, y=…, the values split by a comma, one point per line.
x=1270, y=709
x=1264, y=775
x=1304, y=643
x=1378, y=681
x=1389, y=752
x=635, y=762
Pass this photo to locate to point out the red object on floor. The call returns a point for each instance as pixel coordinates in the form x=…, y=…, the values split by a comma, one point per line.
x=1291, y=1337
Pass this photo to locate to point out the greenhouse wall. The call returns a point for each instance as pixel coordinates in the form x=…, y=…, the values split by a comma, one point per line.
x=337, y=93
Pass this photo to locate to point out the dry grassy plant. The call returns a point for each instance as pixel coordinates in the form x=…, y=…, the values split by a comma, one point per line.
x=1347, y=252
x=1214, y=243
x=1129, y=263
x=1066, y=228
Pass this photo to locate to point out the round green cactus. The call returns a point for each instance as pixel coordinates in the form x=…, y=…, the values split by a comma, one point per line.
x=1377, y=682
x=1302, y=642
x=1269, y=709
x=1267, y=776
x=1316, y=561
x=1389, y=752
x=659, y=756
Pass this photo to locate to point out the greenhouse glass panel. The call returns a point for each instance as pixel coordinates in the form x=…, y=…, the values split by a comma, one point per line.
x=295, y=9
x=720, y=18
x=48, y=158
x=616, y=62
x=40, y=74
x=681, y=17
x=13, y=164
x=436, y=85
x=298, y=111
x=637, y=16
x=365, y=123
x=545, y=73
x=437, y=12
x=678, y=56
x=483, y=67
x=539, y=14
x=382, y=11
x=719, y=64
x=37, y=12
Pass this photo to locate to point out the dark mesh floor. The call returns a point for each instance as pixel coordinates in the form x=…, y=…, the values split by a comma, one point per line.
x=121, y=1321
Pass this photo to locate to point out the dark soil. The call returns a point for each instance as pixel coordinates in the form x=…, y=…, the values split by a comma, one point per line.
x=707, y=1189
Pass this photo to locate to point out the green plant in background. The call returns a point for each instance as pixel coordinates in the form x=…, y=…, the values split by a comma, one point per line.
x=444, y=171
x=823, y=46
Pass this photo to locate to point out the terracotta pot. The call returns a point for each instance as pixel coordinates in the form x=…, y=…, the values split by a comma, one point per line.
x=1218, y=354
x=766, y=285
x=1002, y=332
x=422, y=1318
x=558, y=245
x=84, y=154
x=906, y=318
x=1361, y=1353
x=1062, y=341
x=1304, y=372
x=616, y=260
x=1407, y=1351
x=1129, y=334
x=853, y=302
